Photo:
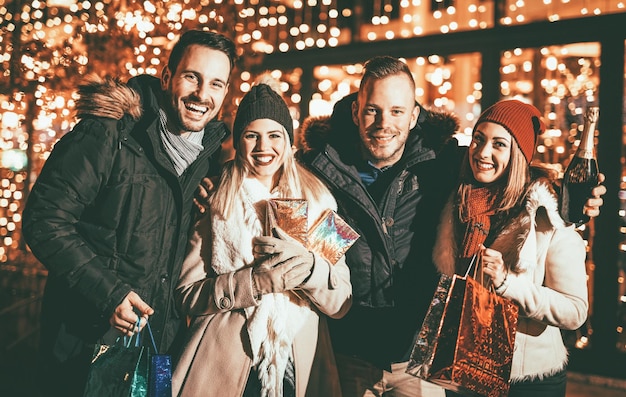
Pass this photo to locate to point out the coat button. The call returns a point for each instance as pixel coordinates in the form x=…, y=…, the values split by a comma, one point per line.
x=224, y=302
x=164, y=277
x=389, y=221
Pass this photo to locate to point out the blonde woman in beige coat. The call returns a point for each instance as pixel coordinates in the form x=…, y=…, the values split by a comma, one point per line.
x=257, y=305
x=508, y=211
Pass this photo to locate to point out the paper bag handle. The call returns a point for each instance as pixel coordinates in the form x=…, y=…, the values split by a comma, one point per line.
x=128, y=342
x=477, y=264
x=475, y=259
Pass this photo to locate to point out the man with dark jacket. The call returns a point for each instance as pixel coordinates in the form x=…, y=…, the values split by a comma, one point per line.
x=391, y=165
x=381, y=166
x=110, y=212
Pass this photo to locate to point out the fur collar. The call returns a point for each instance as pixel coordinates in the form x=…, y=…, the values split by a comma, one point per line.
x=107, y=97
x=433, y=128
x=516, y=242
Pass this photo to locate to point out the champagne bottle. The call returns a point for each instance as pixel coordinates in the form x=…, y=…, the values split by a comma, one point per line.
x=581, y=175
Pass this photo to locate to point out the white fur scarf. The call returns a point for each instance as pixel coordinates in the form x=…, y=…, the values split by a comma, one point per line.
x=273, y=324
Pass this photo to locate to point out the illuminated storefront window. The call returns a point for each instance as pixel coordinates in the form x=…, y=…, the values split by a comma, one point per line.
x=388, y=20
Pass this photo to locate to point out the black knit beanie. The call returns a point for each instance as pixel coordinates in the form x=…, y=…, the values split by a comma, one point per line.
x=261, y=102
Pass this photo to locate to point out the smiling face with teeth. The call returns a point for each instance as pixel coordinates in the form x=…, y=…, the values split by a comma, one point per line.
x=490, y=152
x=196, y=89
x=385, y=112
x=262, y=147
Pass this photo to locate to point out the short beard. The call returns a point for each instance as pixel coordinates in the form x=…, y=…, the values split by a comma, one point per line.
x=368, y=153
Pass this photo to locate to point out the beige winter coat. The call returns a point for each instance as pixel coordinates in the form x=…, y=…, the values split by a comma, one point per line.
x=547, y=279
x=217, y=359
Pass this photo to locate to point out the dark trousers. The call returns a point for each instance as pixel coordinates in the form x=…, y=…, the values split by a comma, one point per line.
x=253, y=386
x=551, y=386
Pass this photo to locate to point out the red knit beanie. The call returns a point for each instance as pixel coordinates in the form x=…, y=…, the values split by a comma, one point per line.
x=521, y=120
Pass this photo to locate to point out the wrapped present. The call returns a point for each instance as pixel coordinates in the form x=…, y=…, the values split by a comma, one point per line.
x=331, y=236
x=291, y=215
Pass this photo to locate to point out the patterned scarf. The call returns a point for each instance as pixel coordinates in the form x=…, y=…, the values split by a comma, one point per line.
x=181, y=150
x=476, y=219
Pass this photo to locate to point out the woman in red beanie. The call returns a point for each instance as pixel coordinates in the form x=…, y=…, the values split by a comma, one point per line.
x=506, y=210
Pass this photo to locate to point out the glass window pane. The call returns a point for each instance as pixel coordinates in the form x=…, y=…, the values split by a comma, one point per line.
x=562, y=81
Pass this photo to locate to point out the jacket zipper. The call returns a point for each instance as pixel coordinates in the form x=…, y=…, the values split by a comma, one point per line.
x=359, y=183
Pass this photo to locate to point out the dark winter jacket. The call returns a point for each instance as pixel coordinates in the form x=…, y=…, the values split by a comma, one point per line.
x=391, y=268
x=108, y=214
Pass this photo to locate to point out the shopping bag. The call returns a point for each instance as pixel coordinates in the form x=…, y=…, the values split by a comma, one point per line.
x=118, y=370
x=423, y=351
x=160, y=375
x=467, y=338
x=128, y=369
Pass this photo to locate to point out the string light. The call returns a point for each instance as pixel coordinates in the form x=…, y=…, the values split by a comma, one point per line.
x=61, y=40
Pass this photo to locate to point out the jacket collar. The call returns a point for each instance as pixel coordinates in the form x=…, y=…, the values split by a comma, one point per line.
x=338, y=131
x=107, y=97
x=151, y=94
x=137, y=100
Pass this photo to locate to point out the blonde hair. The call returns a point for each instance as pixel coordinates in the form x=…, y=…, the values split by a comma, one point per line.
x=294, y=181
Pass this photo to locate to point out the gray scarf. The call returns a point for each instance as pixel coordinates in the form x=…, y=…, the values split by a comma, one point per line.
x=182, y=150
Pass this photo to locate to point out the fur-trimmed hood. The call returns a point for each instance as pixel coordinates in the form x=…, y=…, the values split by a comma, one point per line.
x=107, y=97
x=518, y=249
x=137, y=103
x=433, y=128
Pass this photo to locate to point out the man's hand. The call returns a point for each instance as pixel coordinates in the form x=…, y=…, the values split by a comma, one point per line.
x=124, y=318
x=201, y=199
x=593, y=204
